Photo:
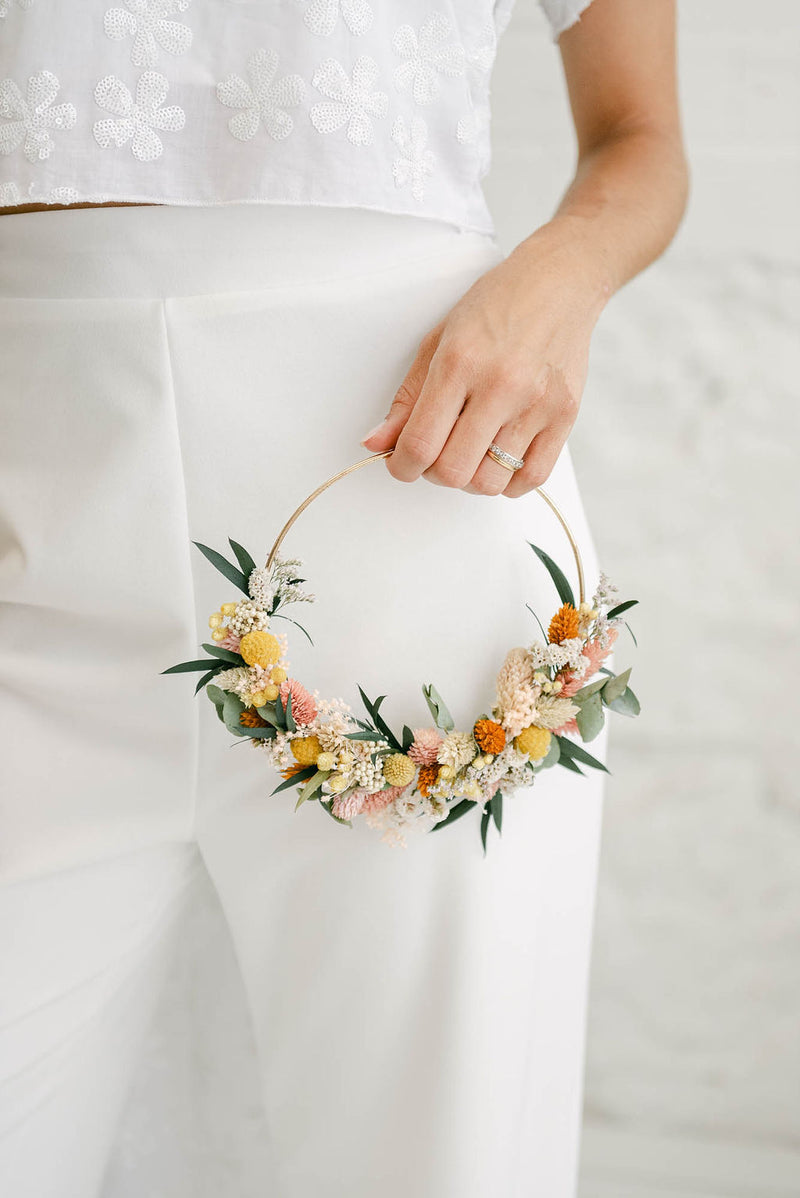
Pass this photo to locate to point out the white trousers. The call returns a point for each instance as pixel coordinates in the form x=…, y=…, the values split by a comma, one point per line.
x=169, y=374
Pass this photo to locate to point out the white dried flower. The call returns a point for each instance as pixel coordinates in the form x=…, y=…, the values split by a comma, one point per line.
x=553, y=712
x=605, y=595
x=261, y=588
x=457, y=749
x=248, y=617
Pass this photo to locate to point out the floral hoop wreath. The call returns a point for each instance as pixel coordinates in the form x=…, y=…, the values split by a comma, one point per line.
x=425, y=777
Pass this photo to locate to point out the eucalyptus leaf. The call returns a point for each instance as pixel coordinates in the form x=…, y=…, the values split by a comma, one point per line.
x=187, y=667
x=232, y=709
x=217, y=696
x=630, y=630
x=202, y=681
x=497, y=809
x=438, y=707
x=591, y=688
x=557, y=574
x=620, y=608
x=536, y=618
x=487, y=815
x=313, y=783
x=328, y=807
x=268, y=713
x=626, y=704
x=574, y=751
x=615, y=686
x=455, y=813
x=300, y=776
x=234, y=659
x=268, y=733
x=363, y=736
x=552, y=755
x=408, y=738
x=225, y=567
x=290, y=720
x=569, y=764
x=243, y=558
x=590, y=718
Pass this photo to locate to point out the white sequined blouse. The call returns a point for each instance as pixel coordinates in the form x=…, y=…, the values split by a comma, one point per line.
x=345, y=102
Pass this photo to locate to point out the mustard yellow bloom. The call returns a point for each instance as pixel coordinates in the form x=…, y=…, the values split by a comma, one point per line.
x=260, y=648
x=398, y=769
x=533, y=741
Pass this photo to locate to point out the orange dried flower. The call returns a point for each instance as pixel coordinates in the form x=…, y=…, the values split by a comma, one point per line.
x=426, y=777
x=251, y=719
x=489, y=736
x=291, y=770
x=563, y=625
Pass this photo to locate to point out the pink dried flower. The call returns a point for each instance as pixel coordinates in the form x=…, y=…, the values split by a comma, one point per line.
x=230, y=641
x=378, y=799
x=425, y=746
x=346, y=806
x=304, y=709
x=597, y=655
x=568, y=729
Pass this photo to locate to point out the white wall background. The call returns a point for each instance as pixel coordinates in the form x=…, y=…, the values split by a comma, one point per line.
x=687, y=451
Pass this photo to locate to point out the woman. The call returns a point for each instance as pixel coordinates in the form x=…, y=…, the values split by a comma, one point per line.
x=235, y=234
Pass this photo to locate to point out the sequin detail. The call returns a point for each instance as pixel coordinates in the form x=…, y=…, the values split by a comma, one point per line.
x=322, y=16
x=137, y=120
x=149, y=23
x=31, y=119
x=352, y=102
x=415, y=161
x=264, y=99
x=427, y=55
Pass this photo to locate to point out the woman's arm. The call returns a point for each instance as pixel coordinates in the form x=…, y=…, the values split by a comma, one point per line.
x=508, y=363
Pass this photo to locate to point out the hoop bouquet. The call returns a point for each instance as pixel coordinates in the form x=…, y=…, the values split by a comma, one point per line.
x=423, y=777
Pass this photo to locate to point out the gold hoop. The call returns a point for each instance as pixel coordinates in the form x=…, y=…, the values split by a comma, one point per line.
x=387, y=453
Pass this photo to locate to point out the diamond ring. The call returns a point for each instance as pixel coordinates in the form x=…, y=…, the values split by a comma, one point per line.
x=504, y=459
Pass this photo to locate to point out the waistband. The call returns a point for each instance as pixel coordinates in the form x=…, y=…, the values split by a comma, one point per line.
x=172, y=250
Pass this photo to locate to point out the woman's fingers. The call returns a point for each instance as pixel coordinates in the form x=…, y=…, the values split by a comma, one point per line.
x=385, y=435
x=463, y=461
x=540, y=457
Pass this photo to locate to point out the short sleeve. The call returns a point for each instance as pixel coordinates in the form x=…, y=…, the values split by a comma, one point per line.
x=562, y=13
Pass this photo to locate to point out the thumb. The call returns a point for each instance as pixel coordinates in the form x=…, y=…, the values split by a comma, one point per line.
x=385, y=434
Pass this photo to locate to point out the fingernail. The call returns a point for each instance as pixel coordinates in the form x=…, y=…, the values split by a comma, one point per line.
x=373, y=431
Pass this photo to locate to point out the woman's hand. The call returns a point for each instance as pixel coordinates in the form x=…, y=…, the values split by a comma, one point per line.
x=507, y=364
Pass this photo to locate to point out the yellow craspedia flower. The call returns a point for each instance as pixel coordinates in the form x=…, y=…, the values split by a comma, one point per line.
x=398, y=769
x=337, y=783
x=326, y=761
x=260, y=648
x=215, y=620
x=271, y=692
x=279, y=674
x=533, y=741
x=228, y=609
x=259, y=698
x=218, y=634
x=306, y=749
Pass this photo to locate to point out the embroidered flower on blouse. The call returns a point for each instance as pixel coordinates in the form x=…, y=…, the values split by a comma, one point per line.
x=480, y=58
x=427, y=55
x=31, y=119
x=265, y=98
x=137, y=119
x=149, y=23
x=9, y=194
x=6, y=6
x=322, y=16
x=415, y=161
x=351, y=103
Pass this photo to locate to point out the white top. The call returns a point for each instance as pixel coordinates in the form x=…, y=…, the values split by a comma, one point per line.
x=345, y=102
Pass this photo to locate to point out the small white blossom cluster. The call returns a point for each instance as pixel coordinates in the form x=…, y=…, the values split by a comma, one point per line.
x=270, y=588
x=407, y=813
x=248, y=617
x=606, y=593
x=569, y=653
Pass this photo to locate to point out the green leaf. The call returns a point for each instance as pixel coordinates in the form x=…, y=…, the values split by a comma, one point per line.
x=371, y=735
x=552, y=755
x=569, y=764
x=243, y=558
x=380, y=722
x=559, y=578
x=206, y=678
x=620, y=608
x=615, y=686
x=187, y=667
x=268, y=733
x=217, y=696
x=590, y=718
x=232, y=709
x=234, y=659
x=313, y=783
x=224, y=566
x=328, y=807
x=268, y=713
x=290, y=721
x=455, y=813
x=626, y=704
x=300, y=776
x=408, y=738
x=279, y=615
x=630, y=630
x=496, y=806
x=586, y=691
x=574, y=751
x=280, y=713
x=487, y=815
x=438, y=707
